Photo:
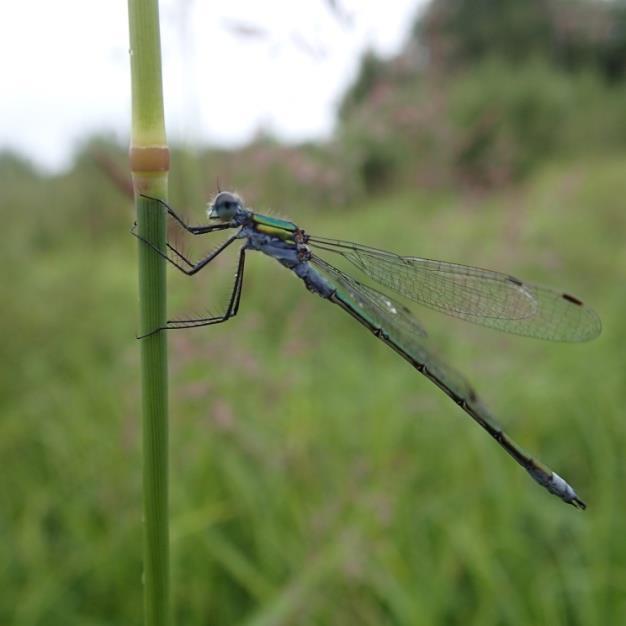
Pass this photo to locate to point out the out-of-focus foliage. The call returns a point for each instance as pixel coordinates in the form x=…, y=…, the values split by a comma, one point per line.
x=316, y=478
x=569, y=34
x=266, y=170
x=484, y=91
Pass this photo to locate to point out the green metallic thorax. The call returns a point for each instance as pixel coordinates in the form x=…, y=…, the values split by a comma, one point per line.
x=274, y=226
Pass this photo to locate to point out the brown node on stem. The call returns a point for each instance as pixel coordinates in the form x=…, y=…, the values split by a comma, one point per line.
x=149, y=159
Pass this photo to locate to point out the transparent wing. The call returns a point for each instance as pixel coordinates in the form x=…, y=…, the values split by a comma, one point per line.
x=393, y=323
x=397, y=322
x=474, y=294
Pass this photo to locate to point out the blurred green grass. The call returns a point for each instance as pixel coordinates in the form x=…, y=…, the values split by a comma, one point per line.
x=316, y=478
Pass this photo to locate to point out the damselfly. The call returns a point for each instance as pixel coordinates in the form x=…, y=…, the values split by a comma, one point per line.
x=476, y=295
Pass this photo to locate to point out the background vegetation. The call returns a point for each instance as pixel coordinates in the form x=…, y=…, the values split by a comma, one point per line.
x=316, y=478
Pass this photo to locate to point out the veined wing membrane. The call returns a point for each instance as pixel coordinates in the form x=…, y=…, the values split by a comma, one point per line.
x=398, y=323
x=394, y=324
x=477, y=295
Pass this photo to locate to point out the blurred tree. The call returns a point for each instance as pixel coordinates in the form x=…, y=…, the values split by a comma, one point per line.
x=483, y=91
x=591, y=34
x=371, y=71
x=456, y=33
x=453, y=35
x=573, y=34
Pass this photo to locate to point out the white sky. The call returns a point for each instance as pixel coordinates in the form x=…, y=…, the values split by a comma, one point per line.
x=64, y=69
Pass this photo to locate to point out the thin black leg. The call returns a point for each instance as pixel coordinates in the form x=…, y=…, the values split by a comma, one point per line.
x=231, y=309
x=193, y=267
x=194, y=230
x=236, y=300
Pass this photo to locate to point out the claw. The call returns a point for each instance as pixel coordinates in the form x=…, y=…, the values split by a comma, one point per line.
x=152, y=332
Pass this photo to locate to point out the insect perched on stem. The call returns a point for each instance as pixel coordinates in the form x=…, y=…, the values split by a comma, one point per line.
x=476, y=295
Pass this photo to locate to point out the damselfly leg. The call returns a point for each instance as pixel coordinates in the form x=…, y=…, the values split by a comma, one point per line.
x=203, y=229
x=231, y=310
x=175, y=255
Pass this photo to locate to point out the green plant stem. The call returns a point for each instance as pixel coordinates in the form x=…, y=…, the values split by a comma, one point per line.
x=151, y=226
x=148, y=121
x=149, y=160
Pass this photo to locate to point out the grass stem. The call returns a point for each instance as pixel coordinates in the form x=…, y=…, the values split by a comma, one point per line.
x=149, y=161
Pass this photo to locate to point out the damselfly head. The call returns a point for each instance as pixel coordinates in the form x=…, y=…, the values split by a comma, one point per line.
x=224, y=206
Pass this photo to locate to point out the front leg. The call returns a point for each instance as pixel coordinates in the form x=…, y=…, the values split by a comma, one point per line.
x=194, y=230
x=178, y=258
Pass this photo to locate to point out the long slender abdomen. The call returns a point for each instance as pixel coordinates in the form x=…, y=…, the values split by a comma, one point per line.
x=470, y=403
